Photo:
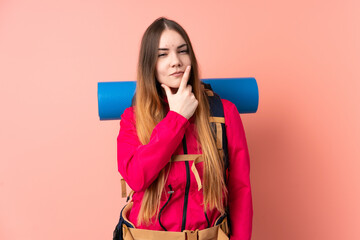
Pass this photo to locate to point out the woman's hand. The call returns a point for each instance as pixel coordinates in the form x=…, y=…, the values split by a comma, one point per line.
x=184, y=101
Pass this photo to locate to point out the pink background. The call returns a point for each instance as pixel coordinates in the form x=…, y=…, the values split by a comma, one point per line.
x=58, y=171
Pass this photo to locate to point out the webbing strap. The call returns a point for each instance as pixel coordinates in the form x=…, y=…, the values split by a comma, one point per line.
x=187, y=157
x=217, y=119
x=197, y=158
x=123, y=188
x=219, y=136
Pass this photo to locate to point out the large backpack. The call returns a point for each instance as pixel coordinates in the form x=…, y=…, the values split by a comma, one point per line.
x=217, y=123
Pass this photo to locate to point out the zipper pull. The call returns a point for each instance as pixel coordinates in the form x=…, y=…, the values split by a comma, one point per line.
x=171, y=190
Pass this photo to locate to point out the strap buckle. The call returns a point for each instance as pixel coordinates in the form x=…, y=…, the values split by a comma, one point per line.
x=191, y=235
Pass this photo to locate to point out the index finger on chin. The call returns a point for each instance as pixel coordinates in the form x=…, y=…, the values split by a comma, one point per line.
x=185, y=78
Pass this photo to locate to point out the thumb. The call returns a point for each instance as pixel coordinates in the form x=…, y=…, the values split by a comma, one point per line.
x=167, y=90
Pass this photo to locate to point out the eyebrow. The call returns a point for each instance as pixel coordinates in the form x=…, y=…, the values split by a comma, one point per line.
x=182, y=45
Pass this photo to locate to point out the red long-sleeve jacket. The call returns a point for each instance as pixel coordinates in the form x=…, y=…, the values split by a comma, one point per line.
x=140, y=165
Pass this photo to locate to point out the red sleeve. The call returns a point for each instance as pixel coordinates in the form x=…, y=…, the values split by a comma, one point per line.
x=140, y=164
x=240, y=200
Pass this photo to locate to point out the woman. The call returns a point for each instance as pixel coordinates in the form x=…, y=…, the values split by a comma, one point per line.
x=170, y=118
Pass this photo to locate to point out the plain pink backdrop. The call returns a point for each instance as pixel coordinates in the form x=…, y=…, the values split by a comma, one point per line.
x=58, y=172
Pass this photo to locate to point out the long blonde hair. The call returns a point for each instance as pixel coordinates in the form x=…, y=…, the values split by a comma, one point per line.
x=150, y=110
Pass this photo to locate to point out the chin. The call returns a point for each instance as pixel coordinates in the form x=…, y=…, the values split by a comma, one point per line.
x=176, y=85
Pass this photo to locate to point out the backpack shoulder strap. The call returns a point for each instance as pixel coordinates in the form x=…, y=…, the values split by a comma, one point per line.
x=217, y=122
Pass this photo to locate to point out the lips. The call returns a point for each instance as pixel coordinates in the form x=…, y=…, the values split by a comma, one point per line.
x=176, y=74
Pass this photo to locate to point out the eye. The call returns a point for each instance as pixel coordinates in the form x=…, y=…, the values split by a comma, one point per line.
x=162, y=54
x=184, y=51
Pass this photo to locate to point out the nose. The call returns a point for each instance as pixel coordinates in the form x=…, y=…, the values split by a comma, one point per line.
x=175, y=60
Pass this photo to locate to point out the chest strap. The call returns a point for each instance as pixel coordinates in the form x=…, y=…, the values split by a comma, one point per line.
x=197, y=158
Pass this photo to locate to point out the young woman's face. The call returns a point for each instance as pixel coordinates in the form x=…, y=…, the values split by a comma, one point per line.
x=173, y=58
